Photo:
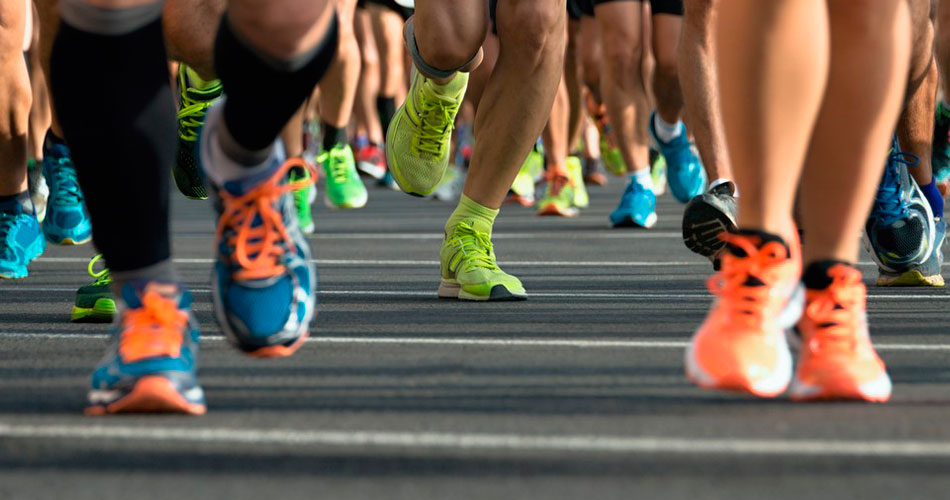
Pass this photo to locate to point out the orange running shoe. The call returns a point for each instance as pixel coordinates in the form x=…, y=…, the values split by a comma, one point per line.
x=742, y=345
x=837, y=360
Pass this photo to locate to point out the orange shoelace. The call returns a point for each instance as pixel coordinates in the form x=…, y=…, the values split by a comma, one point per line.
x=832, y=310
x=738, y=298
x=557, y=178
x=153, y=330
x=263, y=241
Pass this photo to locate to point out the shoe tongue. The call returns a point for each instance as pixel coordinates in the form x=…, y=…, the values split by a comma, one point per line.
x=133, y=291
x=816, y=276
x=758, y=238
x=257, y=175
x=11, y=206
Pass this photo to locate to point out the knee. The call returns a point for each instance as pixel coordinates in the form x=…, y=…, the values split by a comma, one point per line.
x=622, y=54
x=535, y=29
x=447, y=47
x=280, y=31
x=666, y=69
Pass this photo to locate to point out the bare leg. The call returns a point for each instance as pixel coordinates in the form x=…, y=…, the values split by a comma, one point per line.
x=387, y=30
x=697, y=72
x=15, y=99
x=338, y=88
x=870, y=52
x=40, y=113
x=915, y=127
x=572, y=78
x=368, y=87
x=190, y=27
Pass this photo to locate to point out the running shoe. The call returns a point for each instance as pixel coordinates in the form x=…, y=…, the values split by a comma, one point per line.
x=899, y=232
x=742, y=346
x=940, y=153
x=388, y=182
x=637, y=207
x=66, y=222
x=194, y=99
x=304, y=197
x=522, y=189
x=658, y=172
x=558, y=196
x=151, y=360
x=39, y=190
x=371, y=160
x=927, y=273
x=345, y=189
x=94, y=302
x=836, y=359
x=470, y=271
x=450, y=187
x=418, y=143
x=592, y=172
x=685, y=174
x=609, y=152
x=706, y=218
x=576, y=173
x=21, y=240
x=263, y=281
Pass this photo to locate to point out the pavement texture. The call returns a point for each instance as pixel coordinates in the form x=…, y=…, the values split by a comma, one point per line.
x=578, y=392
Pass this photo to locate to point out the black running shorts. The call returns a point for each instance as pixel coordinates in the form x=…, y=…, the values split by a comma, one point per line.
x=405, y=12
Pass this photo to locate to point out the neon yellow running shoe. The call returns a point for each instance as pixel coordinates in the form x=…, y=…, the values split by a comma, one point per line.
x=469, y=269
x=658, y=172
x=418, y=142
x=612, y=157
x=195, y=96
x=522, y=189
x=345, y=189
x=94, y=302
x=576, y=173
x=558, y=196
x=304, y=198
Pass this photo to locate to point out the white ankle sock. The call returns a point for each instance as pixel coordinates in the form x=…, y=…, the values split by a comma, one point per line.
x=666, y=132
x=642, y=177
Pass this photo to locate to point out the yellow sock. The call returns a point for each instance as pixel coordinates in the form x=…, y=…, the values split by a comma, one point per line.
x=479, y=216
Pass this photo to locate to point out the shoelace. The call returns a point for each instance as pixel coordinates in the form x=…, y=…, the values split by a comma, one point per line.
x=889, y=206
x=267, y=240
x=153, y=330
x=557, y=180
x=191, y=116
x=65, y=181
x=102, y=277
x=436, y=117
x=475, y=248
x=730, y=284
x=336, y=159
x=832, y=310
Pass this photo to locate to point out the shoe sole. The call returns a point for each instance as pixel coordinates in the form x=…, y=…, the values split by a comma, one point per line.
x=552, y=210
x=69, y=242
x=524, y=201
x=912, y=278
x=499, y=293
x=151, y=394
x=349, y=204
x=371, y=169
x=876, y=391
x=628, y=222
x=702, y=225
x=103, y=311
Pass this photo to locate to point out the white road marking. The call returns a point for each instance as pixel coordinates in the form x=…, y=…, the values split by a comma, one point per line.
x=422, y=263
x=601, y=235
x=491, y=442
x=570, y=295
x=472, y=341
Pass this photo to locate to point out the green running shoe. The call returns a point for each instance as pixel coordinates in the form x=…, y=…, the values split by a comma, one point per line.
x=195, y=96
x=612, y=157
x=576, y=172
x=558, y=199
x=345, y=189
x=522, y=189
x=94, y=302
x=469, y=269
x=658, y=172
x=418, y=143
x=303, y=199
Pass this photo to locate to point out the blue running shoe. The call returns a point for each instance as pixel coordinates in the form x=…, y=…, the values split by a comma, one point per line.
x=637, y=207
x=900, y=231
x=685, y=175
x=263, y=283
x=926, y=273
x=21, y=240
x=66, y=222
x=151, y=361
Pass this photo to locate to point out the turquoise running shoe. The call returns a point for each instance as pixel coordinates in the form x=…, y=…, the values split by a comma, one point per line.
x=263, y=282
x=66, y=222
x=684, y=175
x=21, y=240
x=150, y=363
x=637, y=207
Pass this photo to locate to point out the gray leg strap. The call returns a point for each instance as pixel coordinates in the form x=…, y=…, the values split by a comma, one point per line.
x=409, y=34
x=102, y=21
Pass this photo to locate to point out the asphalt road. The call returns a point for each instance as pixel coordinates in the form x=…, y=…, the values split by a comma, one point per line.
x=577, y=393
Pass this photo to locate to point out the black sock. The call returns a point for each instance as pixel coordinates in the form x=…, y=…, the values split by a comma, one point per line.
x=22, y=198
x=114, y=102
x=333, y=136
x=263, y=93
x=816, y=275
x=760, y=237
x=386, y=107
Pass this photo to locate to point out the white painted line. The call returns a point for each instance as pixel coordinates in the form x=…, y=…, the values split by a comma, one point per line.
x=575, y=235
x=566, y=295
x=576, y=343
x=451, y=441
